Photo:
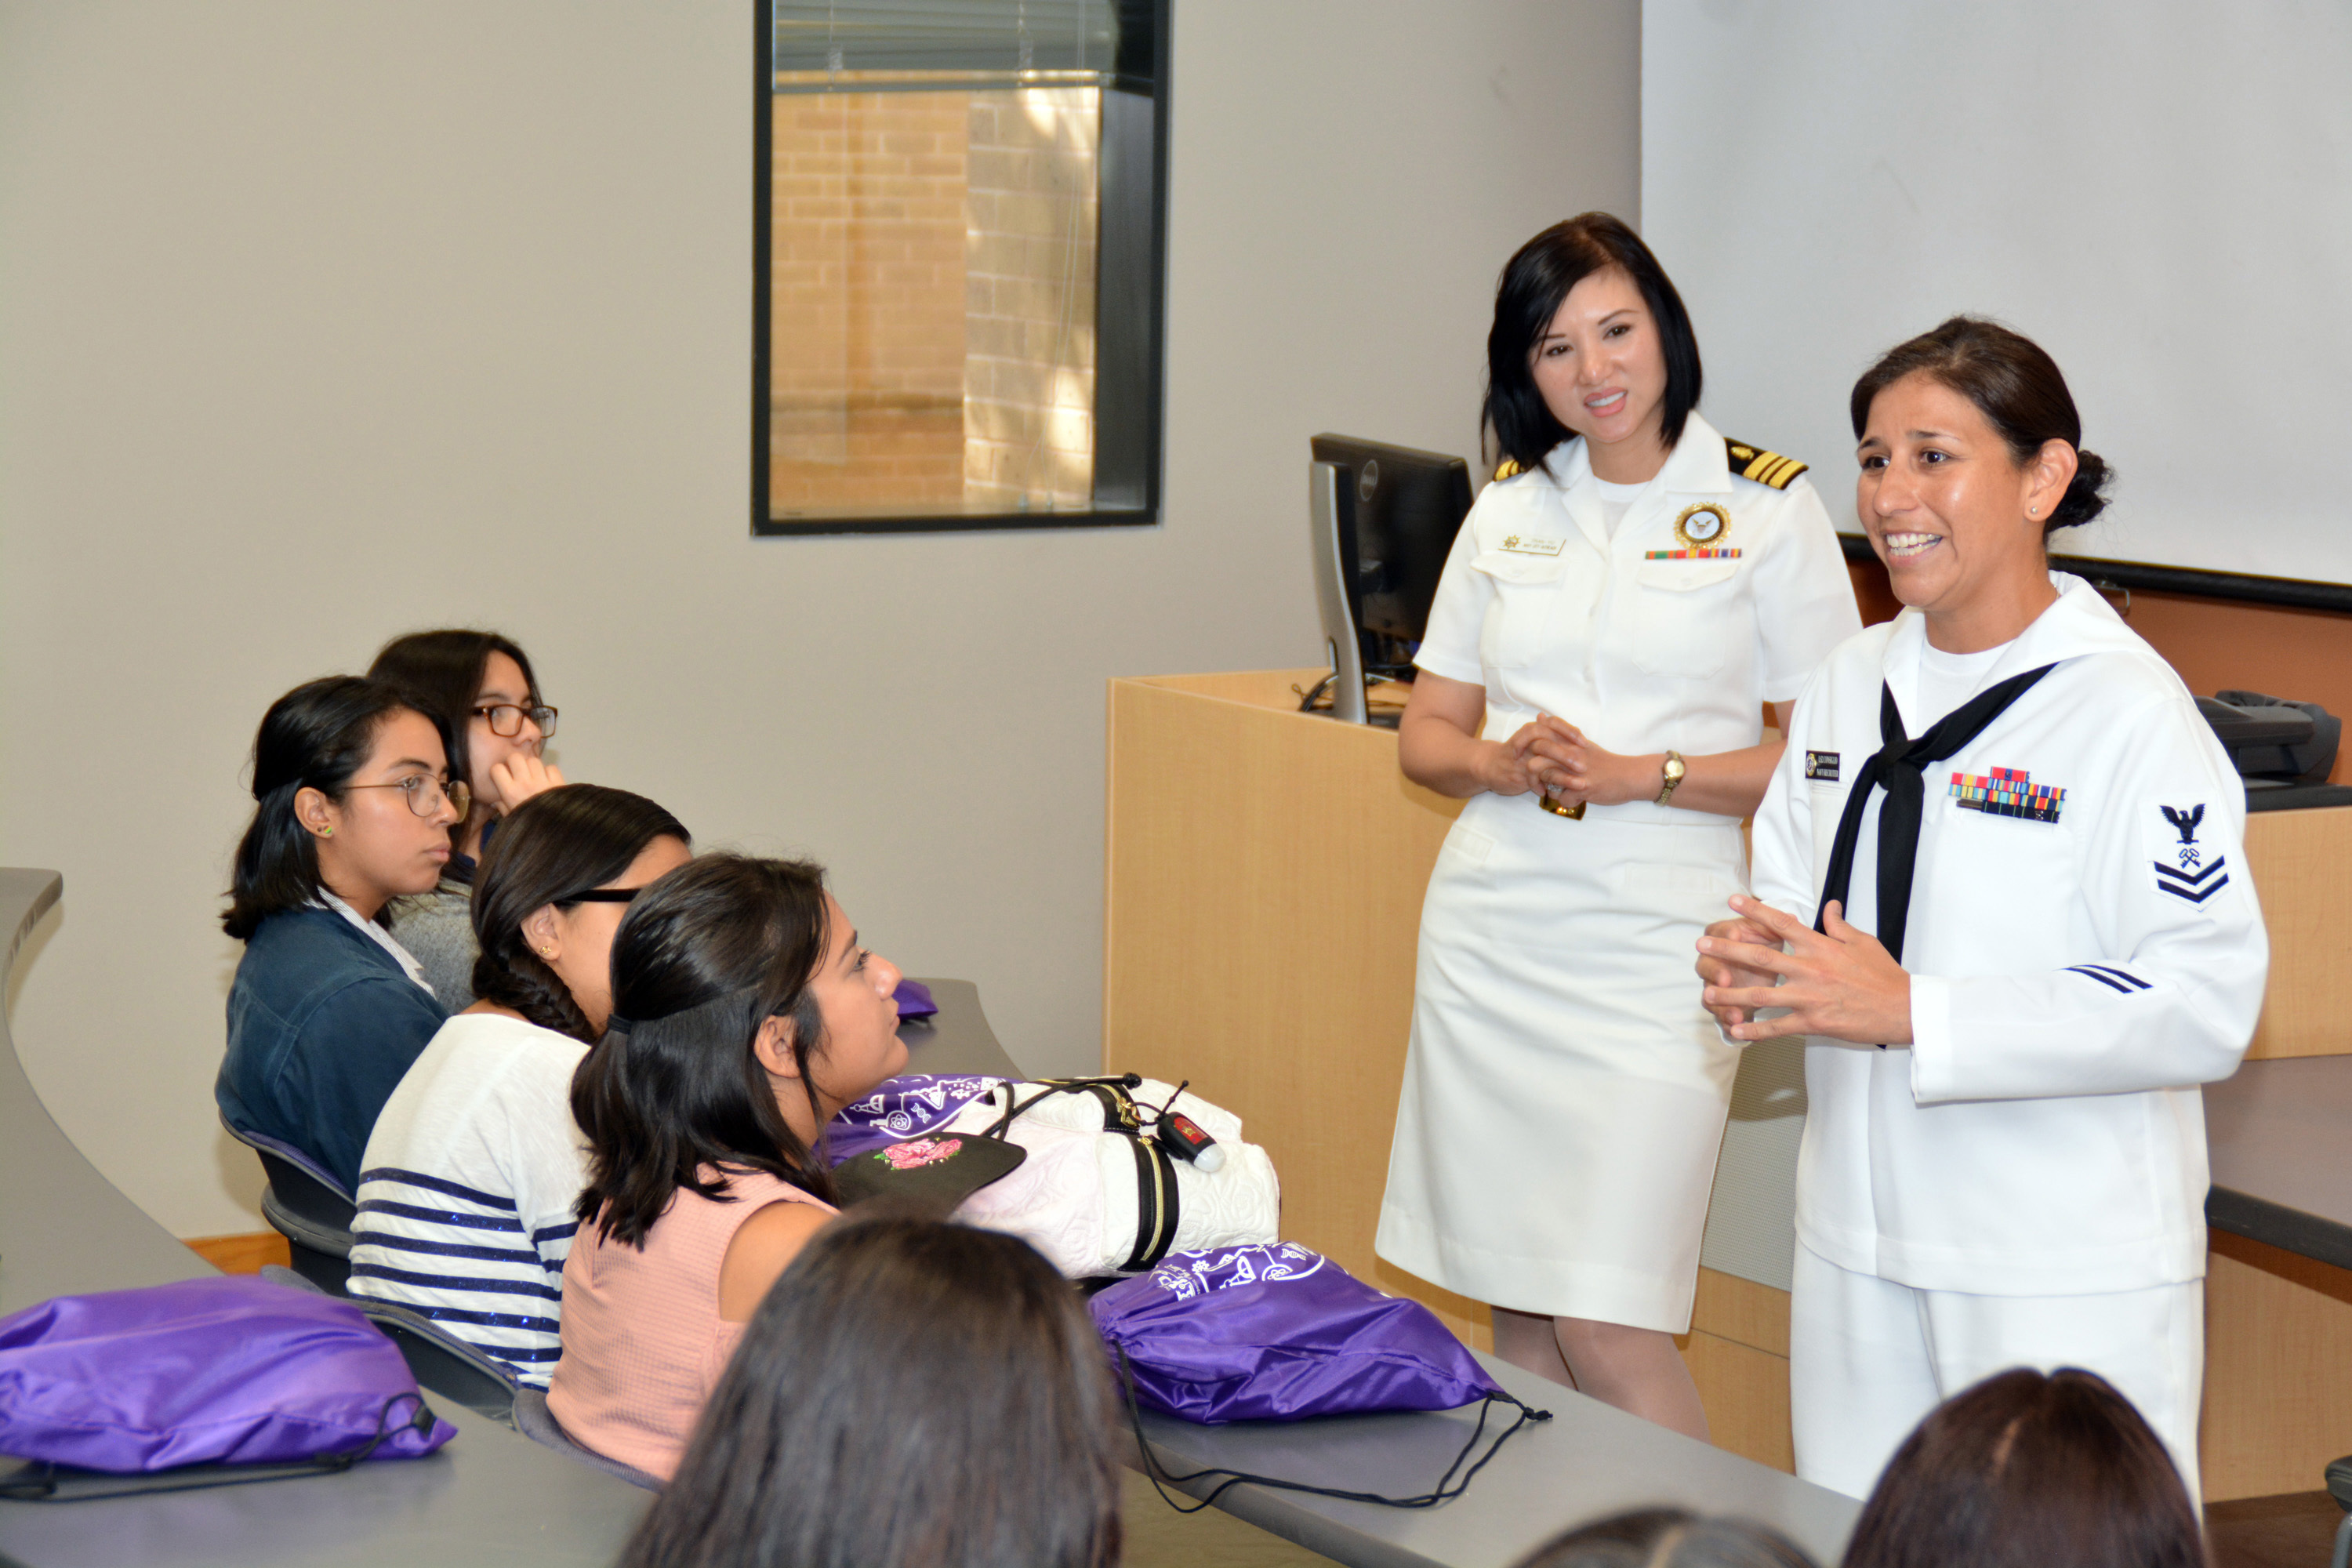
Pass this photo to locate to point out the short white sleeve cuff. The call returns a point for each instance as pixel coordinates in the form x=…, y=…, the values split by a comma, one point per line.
x=1932, y=1068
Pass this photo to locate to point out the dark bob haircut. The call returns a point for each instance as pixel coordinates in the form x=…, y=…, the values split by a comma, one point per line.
x=2014, y=385
x=702, y=958
x=1669, y=1538
x=550, y=849
x=442, y=672
x=2025, y=1470
x=315, y=737
x=1534, y=283
x=910, y=1392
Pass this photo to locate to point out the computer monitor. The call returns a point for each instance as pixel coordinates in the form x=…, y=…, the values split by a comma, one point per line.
x=1383, y=519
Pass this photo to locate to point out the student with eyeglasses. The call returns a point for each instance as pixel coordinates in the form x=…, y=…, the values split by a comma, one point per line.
x=481, y=688
x=466, y=1194
x=353, y=807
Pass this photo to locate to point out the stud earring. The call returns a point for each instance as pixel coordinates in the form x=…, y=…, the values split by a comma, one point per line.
x=326, y=833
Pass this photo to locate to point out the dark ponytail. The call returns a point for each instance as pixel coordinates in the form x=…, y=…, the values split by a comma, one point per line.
x=549, y=851
x=701, y=961
x=2014, y=385
x=315, y=737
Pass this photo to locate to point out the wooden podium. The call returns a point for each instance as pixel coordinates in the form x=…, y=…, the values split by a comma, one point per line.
x=1265, y=871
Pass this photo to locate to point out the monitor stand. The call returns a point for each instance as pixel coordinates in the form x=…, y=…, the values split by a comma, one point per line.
x=1344, y=649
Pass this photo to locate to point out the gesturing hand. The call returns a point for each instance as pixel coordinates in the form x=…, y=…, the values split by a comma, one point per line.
x=515, y=779
x=1840, y=983
x=1721, y=973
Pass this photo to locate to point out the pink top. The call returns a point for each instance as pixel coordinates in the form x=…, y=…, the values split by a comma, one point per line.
x=643, y=1340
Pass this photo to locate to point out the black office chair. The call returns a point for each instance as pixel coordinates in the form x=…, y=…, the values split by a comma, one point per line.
x=307, y=1207
x=2339, y=1487
x=535, y=1421
x=439, y=1361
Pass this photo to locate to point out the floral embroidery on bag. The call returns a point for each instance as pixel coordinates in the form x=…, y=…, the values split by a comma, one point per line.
x=921, y=1152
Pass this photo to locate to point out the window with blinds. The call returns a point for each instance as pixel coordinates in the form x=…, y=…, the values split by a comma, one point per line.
x=958, y=264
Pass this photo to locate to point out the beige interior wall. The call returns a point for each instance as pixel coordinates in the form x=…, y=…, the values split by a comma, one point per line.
x=322, y=320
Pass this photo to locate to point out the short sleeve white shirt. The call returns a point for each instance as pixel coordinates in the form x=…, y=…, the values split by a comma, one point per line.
x=1646, y=638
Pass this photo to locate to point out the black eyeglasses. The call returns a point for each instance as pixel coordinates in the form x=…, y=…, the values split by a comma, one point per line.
x=506, y=719
x=603, y=896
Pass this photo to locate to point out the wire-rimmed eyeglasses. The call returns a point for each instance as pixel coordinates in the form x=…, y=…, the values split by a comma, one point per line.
x=426, y=793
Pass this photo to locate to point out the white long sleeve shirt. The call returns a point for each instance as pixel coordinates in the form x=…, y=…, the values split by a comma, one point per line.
x=2085, y=948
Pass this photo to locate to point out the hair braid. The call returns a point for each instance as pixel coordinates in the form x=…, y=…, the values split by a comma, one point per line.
x=521, y=980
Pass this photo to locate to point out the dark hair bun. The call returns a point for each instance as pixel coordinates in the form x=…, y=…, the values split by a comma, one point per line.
x=2085, y=497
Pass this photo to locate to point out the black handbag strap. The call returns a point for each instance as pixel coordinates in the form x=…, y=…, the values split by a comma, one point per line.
x=38, y=1480
x=1446, y=1490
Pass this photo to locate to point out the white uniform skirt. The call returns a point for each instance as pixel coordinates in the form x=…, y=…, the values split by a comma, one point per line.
x=1564, y=1091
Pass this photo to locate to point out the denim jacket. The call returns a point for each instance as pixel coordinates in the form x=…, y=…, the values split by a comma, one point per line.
x=321, y=1026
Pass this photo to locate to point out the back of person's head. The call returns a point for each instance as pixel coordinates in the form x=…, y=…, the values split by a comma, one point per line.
x=1535, y=282
x=549, y=851
x=911, y=1392
x=315, y=737
x=703, y=959
x=2025, y=1470
x=442, y=673
x=1669, y=1538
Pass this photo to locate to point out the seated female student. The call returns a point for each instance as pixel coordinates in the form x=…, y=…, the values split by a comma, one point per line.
x=353, y=809
x=481, y=688
x=910, y=1392
x=465, y=1195
x=745, y=1016
x=2025, y=1469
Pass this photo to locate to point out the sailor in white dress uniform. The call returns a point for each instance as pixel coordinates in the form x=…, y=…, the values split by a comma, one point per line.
x=1565, y=1094
x=2016, y=1173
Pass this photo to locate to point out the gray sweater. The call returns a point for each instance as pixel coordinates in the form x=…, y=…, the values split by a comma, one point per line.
x=438, y=927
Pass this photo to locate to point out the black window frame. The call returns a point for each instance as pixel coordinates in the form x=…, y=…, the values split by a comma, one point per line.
x=1131, y=298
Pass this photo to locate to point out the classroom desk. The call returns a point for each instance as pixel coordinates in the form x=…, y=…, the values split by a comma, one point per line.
x=2280, y=1134
x=1587, y=1462
x=490, y=1494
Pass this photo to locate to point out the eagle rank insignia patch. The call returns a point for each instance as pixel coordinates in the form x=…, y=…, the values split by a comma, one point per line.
x=2008, y=792
x=2186, y=868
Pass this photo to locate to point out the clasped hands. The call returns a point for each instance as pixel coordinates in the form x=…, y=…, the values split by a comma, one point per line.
x=1556, y=757
x=1840, y=983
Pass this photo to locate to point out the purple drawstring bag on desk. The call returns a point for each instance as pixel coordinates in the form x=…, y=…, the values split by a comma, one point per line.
x=1278, y=1333
x=200, y=1382
x=1283, y=1333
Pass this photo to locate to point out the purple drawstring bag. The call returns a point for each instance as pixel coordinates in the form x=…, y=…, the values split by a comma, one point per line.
x=1282, y=1333
x=232, y=1372
x=907, y=1106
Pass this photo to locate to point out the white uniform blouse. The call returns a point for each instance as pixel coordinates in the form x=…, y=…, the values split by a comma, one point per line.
x=2084, y=946
x=1638, y=640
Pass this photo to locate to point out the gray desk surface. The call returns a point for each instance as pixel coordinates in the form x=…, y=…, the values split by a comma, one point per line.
x=493, y=1496
x=1587, y=1462
x=2280, y=1134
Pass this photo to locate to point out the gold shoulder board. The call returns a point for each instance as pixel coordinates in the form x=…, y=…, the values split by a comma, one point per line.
x=1765, y=468
x=1507, y=468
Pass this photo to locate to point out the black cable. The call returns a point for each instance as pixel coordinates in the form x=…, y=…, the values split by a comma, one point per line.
x=1431, y=1498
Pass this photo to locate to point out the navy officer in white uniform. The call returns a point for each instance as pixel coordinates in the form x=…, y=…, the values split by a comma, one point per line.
x=1610, y=623
x=2000, y=886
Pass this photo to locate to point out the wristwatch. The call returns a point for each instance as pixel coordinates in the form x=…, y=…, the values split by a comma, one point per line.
x=1674, y=771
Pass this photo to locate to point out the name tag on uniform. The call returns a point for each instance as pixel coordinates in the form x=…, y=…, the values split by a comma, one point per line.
x=1822, y=767
x=1524, y=544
